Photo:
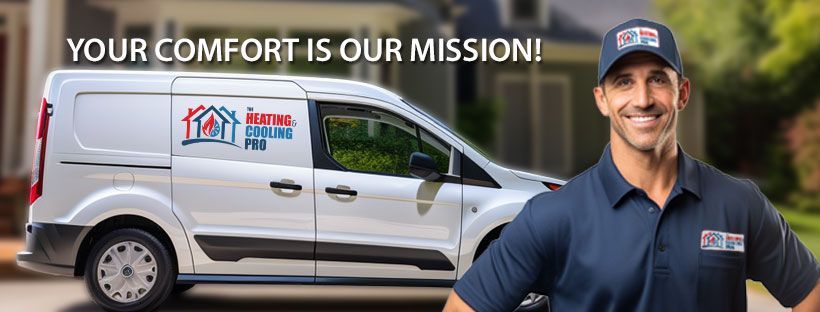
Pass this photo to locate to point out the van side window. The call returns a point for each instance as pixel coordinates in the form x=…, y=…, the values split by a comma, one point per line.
x=372, y=140
x=440, y=151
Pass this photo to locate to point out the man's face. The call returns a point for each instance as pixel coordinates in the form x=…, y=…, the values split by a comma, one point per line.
x=641, y=95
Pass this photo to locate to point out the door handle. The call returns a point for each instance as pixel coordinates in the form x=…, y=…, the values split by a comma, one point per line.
x=280, y=185
x=333, y=190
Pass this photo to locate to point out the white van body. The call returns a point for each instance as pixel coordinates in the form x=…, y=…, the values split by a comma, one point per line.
x=196, y=159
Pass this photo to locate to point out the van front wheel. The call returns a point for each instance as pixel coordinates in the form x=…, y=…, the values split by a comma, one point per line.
x=129, y=270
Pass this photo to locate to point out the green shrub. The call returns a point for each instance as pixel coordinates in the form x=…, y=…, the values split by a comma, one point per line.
x=476, y=121
x=804, y=144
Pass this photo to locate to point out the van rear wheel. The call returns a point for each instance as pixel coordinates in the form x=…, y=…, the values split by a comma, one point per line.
x=129, y=270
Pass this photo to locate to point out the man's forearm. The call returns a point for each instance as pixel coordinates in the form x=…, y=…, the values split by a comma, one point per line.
x=809, y=304
x=455, y=304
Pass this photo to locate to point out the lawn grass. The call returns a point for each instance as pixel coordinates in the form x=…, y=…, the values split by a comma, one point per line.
x=807, y=227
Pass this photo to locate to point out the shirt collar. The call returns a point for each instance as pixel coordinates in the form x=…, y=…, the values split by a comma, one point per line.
x=616, y=187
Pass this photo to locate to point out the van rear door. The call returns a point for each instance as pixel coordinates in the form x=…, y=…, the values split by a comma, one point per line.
x=242, y=175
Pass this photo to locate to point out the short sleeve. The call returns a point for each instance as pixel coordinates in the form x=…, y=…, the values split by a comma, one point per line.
x=507, y=271
x=776, y=257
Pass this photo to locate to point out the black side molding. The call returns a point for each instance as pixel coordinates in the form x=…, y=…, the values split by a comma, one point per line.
x=309, y=280
x=114, y=165
x=372, y=281
x=226, y=248
x=244, y=279
x=424, y=259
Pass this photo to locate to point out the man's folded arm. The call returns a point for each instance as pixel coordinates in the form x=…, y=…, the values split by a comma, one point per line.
x=777, y=258
x=507, y=271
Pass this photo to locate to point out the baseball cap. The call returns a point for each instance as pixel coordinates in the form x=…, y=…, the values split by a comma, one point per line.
x=638, y=35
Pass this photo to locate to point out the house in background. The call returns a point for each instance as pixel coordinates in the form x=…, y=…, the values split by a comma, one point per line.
x=14, y=114
x=548, y=121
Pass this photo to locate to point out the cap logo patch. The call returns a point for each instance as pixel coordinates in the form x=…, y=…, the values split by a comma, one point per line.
x=714, y=240
x=638, y=36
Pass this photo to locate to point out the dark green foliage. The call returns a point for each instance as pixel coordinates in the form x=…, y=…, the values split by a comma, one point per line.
x=442, y=160
x=757, y=64
x=476, y=121
x=387, y=151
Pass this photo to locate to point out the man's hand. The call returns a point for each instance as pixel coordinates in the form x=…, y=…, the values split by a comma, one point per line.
x=455, y=304
x=809, y=304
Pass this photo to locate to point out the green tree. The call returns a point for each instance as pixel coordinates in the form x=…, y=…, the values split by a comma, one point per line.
x=757, y=63
x=476, y=121
x=804, y=142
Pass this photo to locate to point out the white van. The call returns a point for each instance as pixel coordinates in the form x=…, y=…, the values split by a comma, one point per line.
x=147, y=183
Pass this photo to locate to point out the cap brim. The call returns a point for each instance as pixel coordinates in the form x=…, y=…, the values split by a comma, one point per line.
x=637, y=48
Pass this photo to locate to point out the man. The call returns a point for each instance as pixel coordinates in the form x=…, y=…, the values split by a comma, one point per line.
x=648, y=228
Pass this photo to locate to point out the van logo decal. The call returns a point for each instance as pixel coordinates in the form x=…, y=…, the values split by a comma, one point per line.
x=211, y=124
x=219, y=125
x=262, y=127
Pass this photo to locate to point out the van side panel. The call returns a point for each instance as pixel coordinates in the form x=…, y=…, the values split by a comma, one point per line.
x=95, y=118
x=108, y=154
x=238, y=145
x=122, y=123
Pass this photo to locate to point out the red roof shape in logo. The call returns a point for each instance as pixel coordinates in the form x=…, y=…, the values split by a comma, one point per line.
x=187, y=119
x=192, y=112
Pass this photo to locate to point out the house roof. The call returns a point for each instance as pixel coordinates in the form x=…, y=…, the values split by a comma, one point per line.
x=599, y=16
x=568, y=21
x=483, y=19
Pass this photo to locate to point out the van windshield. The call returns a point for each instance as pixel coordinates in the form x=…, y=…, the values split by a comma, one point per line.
x=443, y=125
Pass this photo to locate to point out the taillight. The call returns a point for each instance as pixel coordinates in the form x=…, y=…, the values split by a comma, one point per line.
x=552, y=186
x=39, y=153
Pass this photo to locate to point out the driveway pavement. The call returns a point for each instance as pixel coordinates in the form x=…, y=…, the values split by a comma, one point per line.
x=70, y=295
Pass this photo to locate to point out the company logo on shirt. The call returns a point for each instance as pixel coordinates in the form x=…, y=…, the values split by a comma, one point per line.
x=714, y=240
x=638, y=36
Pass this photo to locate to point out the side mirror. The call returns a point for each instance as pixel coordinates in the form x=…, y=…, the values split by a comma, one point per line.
x=423, y=166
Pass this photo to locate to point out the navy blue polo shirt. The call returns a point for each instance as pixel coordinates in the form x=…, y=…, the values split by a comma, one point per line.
x=600, y=244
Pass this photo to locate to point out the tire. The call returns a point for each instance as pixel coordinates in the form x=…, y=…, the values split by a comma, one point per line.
x=181, y=288
x=534, y=302
x=138, y=262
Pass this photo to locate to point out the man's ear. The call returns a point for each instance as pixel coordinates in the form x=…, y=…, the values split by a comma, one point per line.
x=600, y=100
x=684, y=91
